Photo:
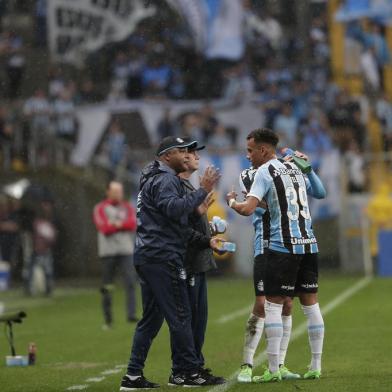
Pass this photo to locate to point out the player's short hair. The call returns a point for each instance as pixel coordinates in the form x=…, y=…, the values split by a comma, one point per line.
x=264, y=135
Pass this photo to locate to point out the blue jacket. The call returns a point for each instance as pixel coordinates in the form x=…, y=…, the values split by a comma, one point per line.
x=163, y=208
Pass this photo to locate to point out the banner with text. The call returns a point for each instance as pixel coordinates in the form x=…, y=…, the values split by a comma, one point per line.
x=79, y=27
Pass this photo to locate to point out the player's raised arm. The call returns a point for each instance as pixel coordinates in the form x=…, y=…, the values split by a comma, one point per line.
x=314, y=186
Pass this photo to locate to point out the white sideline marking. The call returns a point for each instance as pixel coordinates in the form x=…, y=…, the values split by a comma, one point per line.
x=301, y=329
x=77, y=387
x=234, y=315
x=95, y=379
x=110, y=371
x=121, y=366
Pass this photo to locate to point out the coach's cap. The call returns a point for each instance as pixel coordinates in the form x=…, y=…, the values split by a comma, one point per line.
x=171, y=142
x=196, y=147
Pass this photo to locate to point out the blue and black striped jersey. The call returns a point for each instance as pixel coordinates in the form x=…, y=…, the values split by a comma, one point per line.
x=284, y=188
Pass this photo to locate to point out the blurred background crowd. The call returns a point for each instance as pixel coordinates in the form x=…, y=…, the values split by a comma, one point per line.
x=318, y=73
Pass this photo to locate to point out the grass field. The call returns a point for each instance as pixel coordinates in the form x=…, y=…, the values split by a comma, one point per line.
x=72, y=347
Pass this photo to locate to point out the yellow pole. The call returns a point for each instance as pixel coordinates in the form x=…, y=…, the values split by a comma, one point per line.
x=336, y=39
x=388, y=67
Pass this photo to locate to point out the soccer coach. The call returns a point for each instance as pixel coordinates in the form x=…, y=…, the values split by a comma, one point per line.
x=163, y=208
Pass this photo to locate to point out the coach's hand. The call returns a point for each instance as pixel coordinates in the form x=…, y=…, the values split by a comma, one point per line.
x=215, y=245
x=209, y=179
x=203, y=207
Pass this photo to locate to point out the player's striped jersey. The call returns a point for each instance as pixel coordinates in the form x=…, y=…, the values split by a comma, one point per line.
x=284, y=188
x=261, y=225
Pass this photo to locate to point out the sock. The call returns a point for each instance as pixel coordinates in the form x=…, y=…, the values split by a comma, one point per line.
x=284, y=343
x=253, y=332
x=316, y=334
x=133, y=378
x=274, y=332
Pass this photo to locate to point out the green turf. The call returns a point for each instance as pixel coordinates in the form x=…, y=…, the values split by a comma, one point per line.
x=72, y=347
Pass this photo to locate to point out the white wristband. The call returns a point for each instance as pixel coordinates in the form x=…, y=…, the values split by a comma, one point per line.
x=231, y=203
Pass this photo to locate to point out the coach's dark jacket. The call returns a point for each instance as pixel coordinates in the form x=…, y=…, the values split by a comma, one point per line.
x=199, y=257
x=163, y=208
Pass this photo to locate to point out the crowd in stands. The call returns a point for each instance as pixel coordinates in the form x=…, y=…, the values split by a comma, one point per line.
x=28, y=232
x=157, y=61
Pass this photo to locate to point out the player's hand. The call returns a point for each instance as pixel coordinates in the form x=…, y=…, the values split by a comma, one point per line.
x=203, y=207
x=263, y=204
x=118, y=224
x=215, y=245
x=209, y=179
x=231, y=195
x=301, y=155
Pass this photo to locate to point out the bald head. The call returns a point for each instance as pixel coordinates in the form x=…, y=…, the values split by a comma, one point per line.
x=115, y=191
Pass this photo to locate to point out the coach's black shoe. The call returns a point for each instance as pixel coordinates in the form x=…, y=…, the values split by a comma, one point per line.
x=138, y=383
x=207, y=372
x=176, y=380
x=201, y=379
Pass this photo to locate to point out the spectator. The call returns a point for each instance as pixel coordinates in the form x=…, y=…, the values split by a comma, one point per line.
x=191, y=126
x=56, y=82
x=376, y=40
x=115, y=221
x=355, y=168
x=286, y=125
x=220, y=141
x=40, y=23
x=270, y=104
x=8, y=231
x=238, y=84
x=384, y=114
x=134, y=87
x=15, y=64
x=208, y=121
x=156, y=76
x=115, y=146
x=316, y=139
x=44, y=237
x=370, y=70
x=88, y=93
x=120, y=73
x=66, y=125
x=165, y=125
x=6, y=140
x=37, y=111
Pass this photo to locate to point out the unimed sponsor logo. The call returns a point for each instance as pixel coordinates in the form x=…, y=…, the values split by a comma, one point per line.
x=303, y=241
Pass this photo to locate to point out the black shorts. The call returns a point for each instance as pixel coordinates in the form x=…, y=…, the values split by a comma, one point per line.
x=259, y=274
x=288, y=274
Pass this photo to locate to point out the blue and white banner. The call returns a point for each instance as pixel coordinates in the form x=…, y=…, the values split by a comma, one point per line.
x=357, y=9
x=79, y=27
x=216, y=25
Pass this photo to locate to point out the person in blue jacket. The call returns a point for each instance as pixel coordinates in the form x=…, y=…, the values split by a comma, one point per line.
x=162, y=237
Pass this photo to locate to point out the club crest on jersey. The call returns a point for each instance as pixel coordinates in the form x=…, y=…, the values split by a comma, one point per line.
x=192, y=281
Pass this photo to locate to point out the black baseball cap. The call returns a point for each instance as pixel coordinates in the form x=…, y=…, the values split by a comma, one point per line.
x=171, y=142
x=196, y=147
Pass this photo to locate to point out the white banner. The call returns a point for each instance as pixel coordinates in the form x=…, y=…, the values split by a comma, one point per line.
x=217, y=26
x=77, y=27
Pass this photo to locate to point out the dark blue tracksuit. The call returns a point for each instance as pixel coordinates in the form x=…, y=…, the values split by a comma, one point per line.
x=199, y=259
x=161, y=239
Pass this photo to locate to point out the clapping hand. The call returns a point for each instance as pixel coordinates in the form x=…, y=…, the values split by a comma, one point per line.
x=209, y=178
x=203, y=207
